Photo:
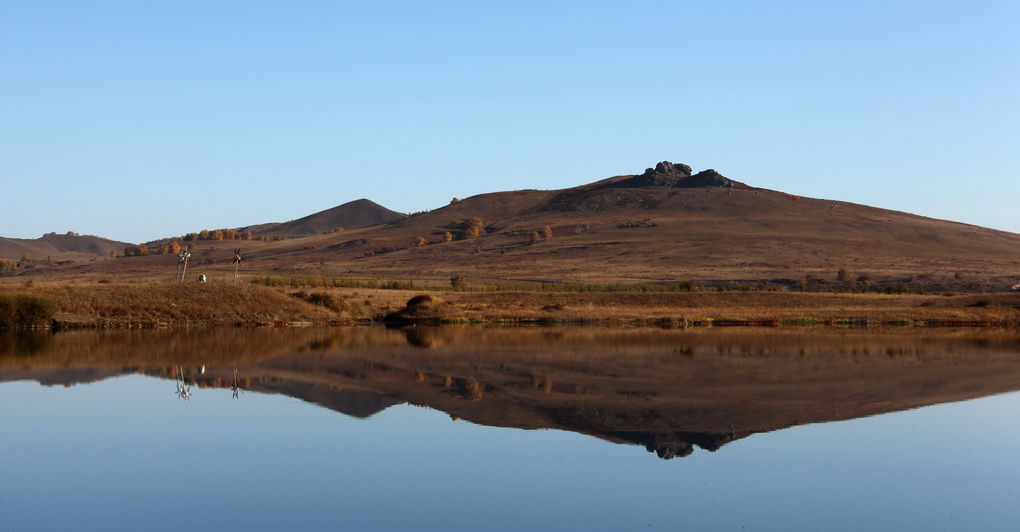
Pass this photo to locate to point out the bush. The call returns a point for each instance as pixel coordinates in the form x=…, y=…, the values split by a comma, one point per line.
x=8, y=265
x=330, y=301
x=21, y=311
x=136, y=251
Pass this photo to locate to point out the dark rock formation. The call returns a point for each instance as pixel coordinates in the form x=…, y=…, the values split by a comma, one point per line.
x=676, y=175
x=709, y=178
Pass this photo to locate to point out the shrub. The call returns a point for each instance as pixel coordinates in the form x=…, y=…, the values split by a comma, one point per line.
x=472, y=232
x=329, y=301
x=458, y=283
x=547, y=232
x=8, y=265
x=420, y=241
x=447, y=237
x=22, y=311
x=647, y=222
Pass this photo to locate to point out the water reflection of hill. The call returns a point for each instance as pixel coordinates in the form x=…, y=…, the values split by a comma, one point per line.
x=669, y=390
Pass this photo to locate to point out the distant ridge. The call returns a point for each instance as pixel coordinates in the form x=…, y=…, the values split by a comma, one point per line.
x=350, y=215
x=59, y=247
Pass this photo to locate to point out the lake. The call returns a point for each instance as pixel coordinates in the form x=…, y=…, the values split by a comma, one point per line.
x=511, y=428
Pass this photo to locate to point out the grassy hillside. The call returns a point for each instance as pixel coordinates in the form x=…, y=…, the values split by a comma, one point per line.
x=658, y=228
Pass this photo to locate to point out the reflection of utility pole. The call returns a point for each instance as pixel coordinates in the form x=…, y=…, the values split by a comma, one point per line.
x=183, y=390
x=237, y=384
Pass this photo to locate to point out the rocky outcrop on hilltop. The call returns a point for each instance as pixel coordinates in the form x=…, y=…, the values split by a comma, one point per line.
x=677, y=175
x=646, y=190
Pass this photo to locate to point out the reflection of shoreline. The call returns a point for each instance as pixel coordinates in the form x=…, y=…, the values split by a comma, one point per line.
x=668, y=390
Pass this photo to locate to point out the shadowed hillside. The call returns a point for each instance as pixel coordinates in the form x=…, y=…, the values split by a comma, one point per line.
x=350, y=215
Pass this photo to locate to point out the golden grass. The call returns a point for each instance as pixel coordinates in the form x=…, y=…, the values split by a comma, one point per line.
x=159, y=304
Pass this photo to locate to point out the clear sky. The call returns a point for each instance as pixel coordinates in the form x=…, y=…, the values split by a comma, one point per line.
x=140, y=120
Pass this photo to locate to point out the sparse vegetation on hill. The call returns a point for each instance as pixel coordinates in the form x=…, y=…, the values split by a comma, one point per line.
x=666, y=226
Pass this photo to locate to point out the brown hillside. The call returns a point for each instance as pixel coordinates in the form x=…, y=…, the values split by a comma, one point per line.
x=666, y=225
x=59, y=248
x=350, y=215
x=610, y=231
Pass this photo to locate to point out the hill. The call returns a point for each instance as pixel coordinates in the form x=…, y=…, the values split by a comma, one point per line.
x=59, y=248
x=350, y=215
x=667, y=225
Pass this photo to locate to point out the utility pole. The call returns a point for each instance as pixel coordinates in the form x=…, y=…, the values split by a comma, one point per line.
x=182, y=265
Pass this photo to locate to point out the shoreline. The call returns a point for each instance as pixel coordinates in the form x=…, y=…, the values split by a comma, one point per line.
x=158, y=304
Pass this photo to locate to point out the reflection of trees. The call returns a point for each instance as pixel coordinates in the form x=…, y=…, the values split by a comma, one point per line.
x=25, y=343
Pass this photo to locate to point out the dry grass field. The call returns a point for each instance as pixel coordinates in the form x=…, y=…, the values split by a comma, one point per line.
x=169, y=304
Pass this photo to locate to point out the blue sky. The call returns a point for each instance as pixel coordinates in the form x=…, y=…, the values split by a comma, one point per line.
x=140, y=120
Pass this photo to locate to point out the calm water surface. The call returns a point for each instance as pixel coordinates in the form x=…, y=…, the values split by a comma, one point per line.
x=511, y=429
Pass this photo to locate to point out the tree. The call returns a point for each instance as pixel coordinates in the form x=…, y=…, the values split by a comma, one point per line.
x=535, y=237
x=472, y=232
x=174, y=247
x=846, y=277
x=447, y=237
x=547, y=232
x=458, y=282
x=136, y=251
x=420, y=241
x=113, y=253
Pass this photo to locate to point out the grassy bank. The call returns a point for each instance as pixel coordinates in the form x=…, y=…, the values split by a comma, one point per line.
x=168, y=304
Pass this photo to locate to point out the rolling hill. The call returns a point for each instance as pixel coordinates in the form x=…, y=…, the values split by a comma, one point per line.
x=59, y=248
x=353, y=214
x=665, y=225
